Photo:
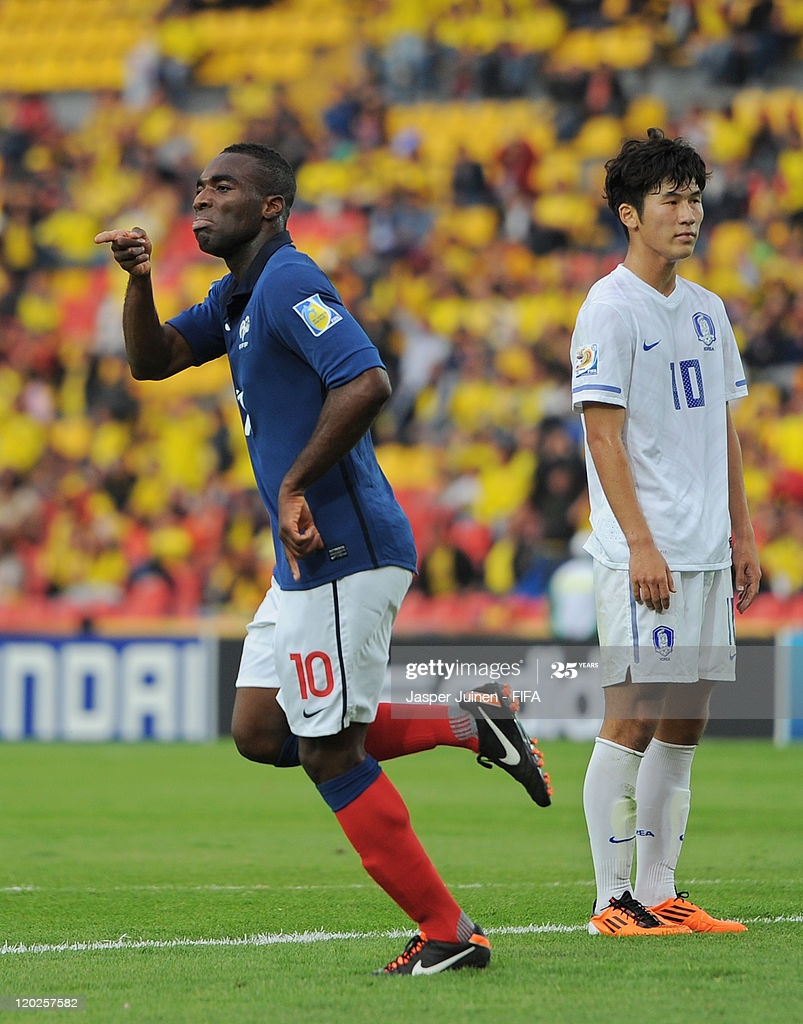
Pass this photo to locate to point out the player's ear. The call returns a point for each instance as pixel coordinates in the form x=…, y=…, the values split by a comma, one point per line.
x=272, y=207
x=628, y=216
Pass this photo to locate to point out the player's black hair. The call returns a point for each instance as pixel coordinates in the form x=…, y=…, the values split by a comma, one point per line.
x=643, y=165
x=278, y=177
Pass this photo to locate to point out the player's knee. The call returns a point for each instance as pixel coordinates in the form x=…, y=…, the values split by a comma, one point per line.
x=324, y=761
x=255, y=744
x=681, y=731
x=258, y=725
x=640, y=734
x=633, y=733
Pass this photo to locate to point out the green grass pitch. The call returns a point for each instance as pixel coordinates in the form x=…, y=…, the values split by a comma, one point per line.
x=181, y=883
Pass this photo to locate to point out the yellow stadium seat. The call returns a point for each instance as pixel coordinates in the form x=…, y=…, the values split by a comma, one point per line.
x=728, y=140
x=559, y=168
x=626, y=46
x=727, y=238
x=446, y=315
x=579, y=48
x=474, y=226
x=540, y=29
x=711, y=19
x=790, y=168
x=598, y=137
x=22, y=442
x=643, y=112
x=72, y=437
x=779, y=104
x=748, y=107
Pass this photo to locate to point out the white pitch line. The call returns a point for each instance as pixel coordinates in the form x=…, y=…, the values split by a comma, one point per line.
x=169, y=887
x=258, y=887
x=298, y=938
x=280, y=938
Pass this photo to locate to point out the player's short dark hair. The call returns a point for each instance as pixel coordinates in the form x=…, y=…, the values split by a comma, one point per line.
x=643, y=165
x=278, y=177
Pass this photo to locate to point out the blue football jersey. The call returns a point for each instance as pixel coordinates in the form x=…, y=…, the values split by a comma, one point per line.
x=289, y=340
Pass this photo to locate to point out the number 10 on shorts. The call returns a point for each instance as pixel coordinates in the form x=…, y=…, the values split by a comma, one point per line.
x=315, y=675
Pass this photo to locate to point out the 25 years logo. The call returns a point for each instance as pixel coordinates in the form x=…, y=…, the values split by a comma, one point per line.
x=569, y=669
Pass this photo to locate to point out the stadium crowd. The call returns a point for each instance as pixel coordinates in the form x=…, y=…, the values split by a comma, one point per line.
x=449, y=182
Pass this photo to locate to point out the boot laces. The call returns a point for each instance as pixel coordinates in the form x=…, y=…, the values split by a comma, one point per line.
x=413, y=947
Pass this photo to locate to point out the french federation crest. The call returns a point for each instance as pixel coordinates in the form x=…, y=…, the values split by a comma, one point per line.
x=316, y=314
x=586, y=361
x=705, y=330
x=663, y=640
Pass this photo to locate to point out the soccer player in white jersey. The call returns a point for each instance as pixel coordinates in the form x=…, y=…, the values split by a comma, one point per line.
x=655, y=365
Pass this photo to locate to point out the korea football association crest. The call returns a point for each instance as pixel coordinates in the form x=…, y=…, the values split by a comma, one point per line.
x=316, y=314
x=705, y=330
x=663, y=640
x=586, y=362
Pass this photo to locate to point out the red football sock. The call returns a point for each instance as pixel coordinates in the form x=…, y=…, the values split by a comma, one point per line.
x=398, y=730
x=378, y=826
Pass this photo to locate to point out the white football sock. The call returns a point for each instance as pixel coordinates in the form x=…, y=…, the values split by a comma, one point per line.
x=663, y=798
x=609, y=802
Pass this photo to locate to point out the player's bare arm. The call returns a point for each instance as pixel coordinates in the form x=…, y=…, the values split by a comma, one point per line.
x=154, y=350
x=650, y=576
x=747, y=570
x=347, y=414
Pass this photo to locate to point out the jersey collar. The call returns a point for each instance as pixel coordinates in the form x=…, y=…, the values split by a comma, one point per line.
x=238, y=293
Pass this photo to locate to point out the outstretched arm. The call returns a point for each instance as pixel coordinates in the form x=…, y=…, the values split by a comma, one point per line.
x=154, y=350
x=650, y=576
x=347, y=413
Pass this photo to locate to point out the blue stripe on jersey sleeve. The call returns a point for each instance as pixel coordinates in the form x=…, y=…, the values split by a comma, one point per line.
x=597, y=387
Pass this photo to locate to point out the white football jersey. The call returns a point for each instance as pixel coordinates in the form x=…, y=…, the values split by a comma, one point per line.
x=673, y=364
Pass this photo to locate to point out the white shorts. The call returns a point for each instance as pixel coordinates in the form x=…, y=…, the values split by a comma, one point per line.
x=693, y=639
x=326, y=650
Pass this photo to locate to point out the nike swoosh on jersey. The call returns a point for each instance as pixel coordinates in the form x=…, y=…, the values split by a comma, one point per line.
x=418, y=968
x=311, y=714
x=512, y=756
x=629, y=839
x=647, y=347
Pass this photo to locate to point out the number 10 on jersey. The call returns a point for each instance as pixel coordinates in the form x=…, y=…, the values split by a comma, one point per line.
x=688, y=373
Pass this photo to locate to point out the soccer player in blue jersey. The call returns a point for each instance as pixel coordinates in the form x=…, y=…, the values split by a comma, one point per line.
x=309, y=382
x=655, y=366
